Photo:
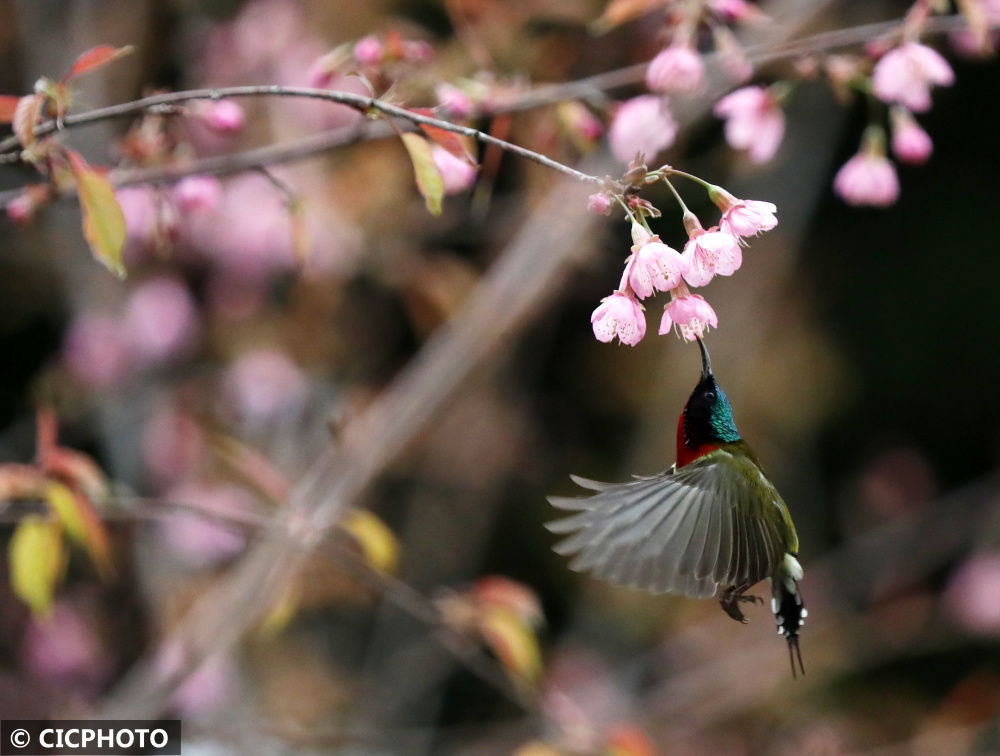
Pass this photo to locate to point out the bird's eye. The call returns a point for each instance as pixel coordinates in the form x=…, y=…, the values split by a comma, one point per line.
x=710, y=395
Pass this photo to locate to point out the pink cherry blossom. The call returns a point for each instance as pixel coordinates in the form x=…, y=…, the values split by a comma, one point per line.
x=910, y=143
x=688, y=313
x=711, y=252
x=754, y=122
x=454, y=100
x=653, y=266
x=906, y=74
x=749, y=218
x=368, y=51
x=599, y=203
x=677, y=68
x=458, y=174
x=95, y=351
x=619, y=315
x=197, y=193
x=641, y=125
x=225, y=117
x=264, y=384
x=160, y=321
x=868, y=178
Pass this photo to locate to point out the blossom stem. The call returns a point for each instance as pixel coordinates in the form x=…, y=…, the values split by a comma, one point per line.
x=671, y=171
x=627, y=209
x=684, y=208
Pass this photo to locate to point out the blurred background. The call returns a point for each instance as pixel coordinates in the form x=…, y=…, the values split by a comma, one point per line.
x=264, y=311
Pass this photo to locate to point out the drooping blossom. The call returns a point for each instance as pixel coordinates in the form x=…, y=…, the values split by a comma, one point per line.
x=910, y=143
x=754, y=122
x=906, y=74
x=160, y=321
x=196, y=193
x=458, y=174
x=619, y=315
x=599, y=203
x=742, y=218
x=368, y=51
x=454, y=100
x=225, y=116
x=689, y=313
x=641, y=125
x=653, y=266
x=196, y=539
x=710, y=253
x=868, y=178
x=677, y=68
x=264, y=384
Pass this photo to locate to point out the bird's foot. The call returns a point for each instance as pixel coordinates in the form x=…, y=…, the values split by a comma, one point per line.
x=731, y=599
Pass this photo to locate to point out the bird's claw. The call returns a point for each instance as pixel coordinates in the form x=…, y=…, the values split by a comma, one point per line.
x=733, y=597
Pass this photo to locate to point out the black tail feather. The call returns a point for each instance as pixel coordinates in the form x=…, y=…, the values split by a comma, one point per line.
x=790, y=613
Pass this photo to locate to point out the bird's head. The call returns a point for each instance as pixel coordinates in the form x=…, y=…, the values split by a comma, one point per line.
x=708, y=416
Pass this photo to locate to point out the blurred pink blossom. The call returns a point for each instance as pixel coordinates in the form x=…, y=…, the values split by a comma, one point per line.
x=65, y=650
x=458, y=175
x=641, y=125
x=206, y=690
x=138, y=204
x=710, y=253
x=264, y=384
x=173, y=444
x=910, y=143
x=734, y=59
x=754, y=122
x=689, y=313
x=200, y=541
x=619, y=315
x=454, y=100
x=906, y=74
x=971, y=595
x=160, y=320
x=599, y=203
x=868, y=178
x=21, y=208
x=197, y=193
x=368, y=51
x=224, y=116
x=94, y=350
x=677, y=68
x=653, y=266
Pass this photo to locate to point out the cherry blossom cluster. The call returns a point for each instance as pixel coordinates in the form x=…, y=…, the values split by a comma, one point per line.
x=896, y=73
x=654, y=266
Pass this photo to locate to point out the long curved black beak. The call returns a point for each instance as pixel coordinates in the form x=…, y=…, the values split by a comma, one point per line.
x=706, y=361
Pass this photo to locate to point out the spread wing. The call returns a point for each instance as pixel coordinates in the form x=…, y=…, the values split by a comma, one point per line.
x=686, y=531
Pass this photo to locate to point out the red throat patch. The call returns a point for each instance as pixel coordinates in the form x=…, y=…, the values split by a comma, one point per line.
x=687, y=454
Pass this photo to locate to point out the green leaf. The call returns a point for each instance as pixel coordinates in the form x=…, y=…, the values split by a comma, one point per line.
x=429, y=180
x=103, y=221
x=82, y=524
x=37, y=557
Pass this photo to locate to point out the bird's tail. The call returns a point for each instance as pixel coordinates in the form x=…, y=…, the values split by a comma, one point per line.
x=789, y=610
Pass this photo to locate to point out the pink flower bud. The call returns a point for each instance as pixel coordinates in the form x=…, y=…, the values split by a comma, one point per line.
x=711, y=252
x=641, y=125
x=905, y=75
x=619, y=315
x=689, y=313
x=368, y=51
x=225, y=117
x=263, y=385
x=754, y=122
x=197, y=194
x=677, y=68
x=455, y=101
x=458, y=175
x=910, y=143
x=599, y=203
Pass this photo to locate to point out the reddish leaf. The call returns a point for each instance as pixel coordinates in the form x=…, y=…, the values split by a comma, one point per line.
x=36, y=554
x=8, y=104
x=429, y=180
x=448, y=139
x=619, y=11
x=103, y=222
x=26, y=115
x=97, y=57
